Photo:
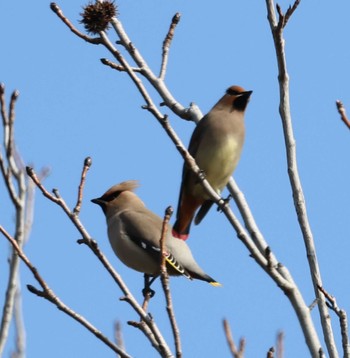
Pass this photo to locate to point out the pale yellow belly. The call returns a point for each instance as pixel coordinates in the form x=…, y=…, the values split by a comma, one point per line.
x=218, y=163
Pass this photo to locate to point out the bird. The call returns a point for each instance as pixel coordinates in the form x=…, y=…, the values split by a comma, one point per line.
x=134, y=233
x=216, y=146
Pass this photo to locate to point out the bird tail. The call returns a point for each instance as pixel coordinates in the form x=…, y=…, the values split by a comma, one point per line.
x=181, y=234
x=206, y=278
x=215, y=283
x=203, y=211
x=170, y=259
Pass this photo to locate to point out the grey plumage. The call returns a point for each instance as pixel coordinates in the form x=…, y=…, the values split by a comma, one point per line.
x=134, y=233
x=216, y=145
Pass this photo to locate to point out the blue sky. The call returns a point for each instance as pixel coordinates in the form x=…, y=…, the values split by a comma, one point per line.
x=71, y=106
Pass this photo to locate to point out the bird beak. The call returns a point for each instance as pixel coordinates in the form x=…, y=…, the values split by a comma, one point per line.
x=246, y=94
x=98, y=201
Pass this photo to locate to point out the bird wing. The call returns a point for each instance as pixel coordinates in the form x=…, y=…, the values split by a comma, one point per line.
x=203, y=211
x=144, y=229
x=195, y=141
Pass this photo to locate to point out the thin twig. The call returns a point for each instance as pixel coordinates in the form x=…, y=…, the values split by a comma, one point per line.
x=146, y=300
x=49, y=295
x=20, y=351
x=343, y=321
x=16, y=186
x=86, y=167
x=144, y=328
x=191, y=113
x=118, y=335
x=8, y=163
x=11, y=119
x=271, y=353
x=31, y=173
x=164, y=277
x=236, y=353
x=30, y=200
x=290, y=11
x=166, y=44
x=56, y=9
x=342, y=112
x=280, y=345
x=117, y=67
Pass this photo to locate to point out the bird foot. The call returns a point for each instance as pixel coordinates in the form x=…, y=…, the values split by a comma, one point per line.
x=148, y=292
x=225, y=202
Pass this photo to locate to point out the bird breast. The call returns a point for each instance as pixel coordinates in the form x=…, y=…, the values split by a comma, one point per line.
x=219, y=159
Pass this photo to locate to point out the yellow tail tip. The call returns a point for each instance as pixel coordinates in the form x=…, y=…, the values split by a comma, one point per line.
x=216, y=284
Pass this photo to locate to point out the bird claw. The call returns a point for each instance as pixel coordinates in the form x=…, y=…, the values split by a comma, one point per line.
x=148, y=292
x=225, y=202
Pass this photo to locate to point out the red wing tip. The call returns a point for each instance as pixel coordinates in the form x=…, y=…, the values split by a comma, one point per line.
x=183, y=237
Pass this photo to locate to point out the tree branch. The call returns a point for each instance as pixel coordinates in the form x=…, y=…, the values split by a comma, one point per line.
x=165, y=283
x=342, y=112
x=298, y=196
x=12, y=172
x=86, y=167
x=236, y=353
x=49, y=295
x=343, y=321
x=166, y=44
x=93, y=40
x=117, y=67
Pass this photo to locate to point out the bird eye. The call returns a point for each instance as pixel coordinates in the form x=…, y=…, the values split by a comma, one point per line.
x=232, y=92
x=111, y=196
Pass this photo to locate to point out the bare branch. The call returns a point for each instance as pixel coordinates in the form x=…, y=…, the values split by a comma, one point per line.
x=166, y=44
x=117, y=67
x=298, y=195
x=118, y=335
x=16, y=186
x=342, y=112
x=284, y=18
x=147, y=295
x=165, y=283
x=271, y=353
x=343, y=321
x=8, y=163
x=19, y=324
x=280, y=345
x=11, y=120
x=290, y=11
x=86, y=167
x=56, y=9
x=49, y=295
x=236, y=353
x=30, y=198
x=191, y=113
x=31, y=173
x=144, y=328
